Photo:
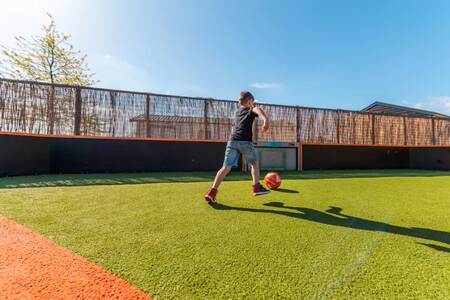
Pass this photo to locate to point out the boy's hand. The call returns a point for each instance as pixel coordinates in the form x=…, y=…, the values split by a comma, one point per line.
x=263, y=116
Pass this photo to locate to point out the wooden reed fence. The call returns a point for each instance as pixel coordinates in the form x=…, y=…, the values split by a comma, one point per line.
x=40, y=108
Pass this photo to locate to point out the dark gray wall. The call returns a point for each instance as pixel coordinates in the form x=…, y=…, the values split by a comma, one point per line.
x=20, y=155
x=351, y=157
x=27, y=155
x=106, y=155
x=358, y=157
x=430, y=158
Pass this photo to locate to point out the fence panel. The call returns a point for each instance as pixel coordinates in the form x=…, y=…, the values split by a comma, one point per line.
x=389, y=130
x=41, y=108
x=111, y=113
x=442, y=131
x=355, y=128
x=282, y=124
x=177, y=117
x=419, y=131
x=220, y=119
x=36, y=108
x=317, y=125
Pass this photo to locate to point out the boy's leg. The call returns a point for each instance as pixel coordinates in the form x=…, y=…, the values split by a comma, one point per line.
x=231, y=159
x=220, y=176
x=250, y=153
x=258, y=189
x=255, y=171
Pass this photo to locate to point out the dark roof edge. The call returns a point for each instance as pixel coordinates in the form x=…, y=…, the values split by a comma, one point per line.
x=423, y=111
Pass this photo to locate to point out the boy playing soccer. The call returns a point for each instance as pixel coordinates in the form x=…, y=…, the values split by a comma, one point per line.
x=240, y=141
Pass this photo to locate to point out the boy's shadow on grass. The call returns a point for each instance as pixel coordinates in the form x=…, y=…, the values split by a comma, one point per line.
x=335, y=217
x=286, y=191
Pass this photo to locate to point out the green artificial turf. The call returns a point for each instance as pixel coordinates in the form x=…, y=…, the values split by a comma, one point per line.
x=340, y=234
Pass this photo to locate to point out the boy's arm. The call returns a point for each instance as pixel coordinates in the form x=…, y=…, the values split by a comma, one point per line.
x=263, y=116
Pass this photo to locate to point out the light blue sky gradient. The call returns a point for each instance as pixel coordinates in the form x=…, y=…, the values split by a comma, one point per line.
x=336, y=54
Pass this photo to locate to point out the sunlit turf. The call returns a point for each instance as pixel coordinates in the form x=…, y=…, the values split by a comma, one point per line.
x=335, y=234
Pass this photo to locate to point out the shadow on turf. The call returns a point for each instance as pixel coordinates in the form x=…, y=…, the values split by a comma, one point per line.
x=288, y=191
x=436, y=247
x=335, y=217
x=61, y=180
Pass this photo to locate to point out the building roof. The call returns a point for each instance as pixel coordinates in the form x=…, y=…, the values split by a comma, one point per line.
x=387, y=108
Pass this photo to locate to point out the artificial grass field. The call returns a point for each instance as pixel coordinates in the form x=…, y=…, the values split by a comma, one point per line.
x=341, y=234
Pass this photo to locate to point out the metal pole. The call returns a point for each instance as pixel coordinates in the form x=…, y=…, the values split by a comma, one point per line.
x=300, y=157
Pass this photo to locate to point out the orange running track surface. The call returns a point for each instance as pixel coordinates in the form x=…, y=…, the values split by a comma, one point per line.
x=33, y=267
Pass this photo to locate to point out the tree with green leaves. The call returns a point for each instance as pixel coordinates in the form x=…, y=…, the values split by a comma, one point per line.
x=48, y=57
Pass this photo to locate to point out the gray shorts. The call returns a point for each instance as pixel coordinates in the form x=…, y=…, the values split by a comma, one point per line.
x=234, y=148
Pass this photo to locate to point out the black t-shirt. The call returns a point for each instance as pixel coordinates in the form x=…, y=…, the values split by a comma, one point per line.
x=242, y=130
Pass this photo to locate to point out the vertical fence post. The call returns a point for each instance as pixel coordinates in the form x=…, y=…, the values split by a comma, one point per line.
x=373, y=129
x=298, y=138
x=405, y=133
x=338, y=125
x=77, y=116
x=300, y=157
x=51, y=110
x=297, y=125
x=433, y=130
x=205, y=119
x=147, y=116
x=354, y=141
x=113, y=105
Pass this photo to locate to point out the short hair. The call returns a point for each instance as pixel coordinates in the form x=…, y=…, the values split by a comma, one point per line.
x=244, y=97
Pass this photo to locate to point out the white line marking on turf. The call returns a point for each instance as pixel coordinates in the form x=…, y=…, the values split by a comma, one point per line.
x=358, y=263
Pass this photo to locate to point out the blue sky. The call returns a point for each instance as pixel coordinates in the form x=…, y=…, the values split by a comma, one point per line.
x=336, y=54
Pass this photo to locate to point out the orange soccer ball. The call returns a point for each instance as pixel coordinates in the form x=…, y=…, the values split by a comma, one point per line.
x=272, y=180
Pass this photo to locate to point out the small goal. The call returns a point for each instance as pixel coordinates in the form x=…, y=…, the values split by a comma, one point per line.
x=276, y=156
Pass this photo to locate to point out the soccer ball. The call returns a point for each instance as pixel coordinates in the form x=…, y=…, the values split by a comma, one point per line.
x=272, y=180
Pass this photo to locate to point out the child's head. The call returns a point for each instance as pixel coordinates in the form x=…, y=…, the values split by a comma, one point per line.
x=246, y=99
